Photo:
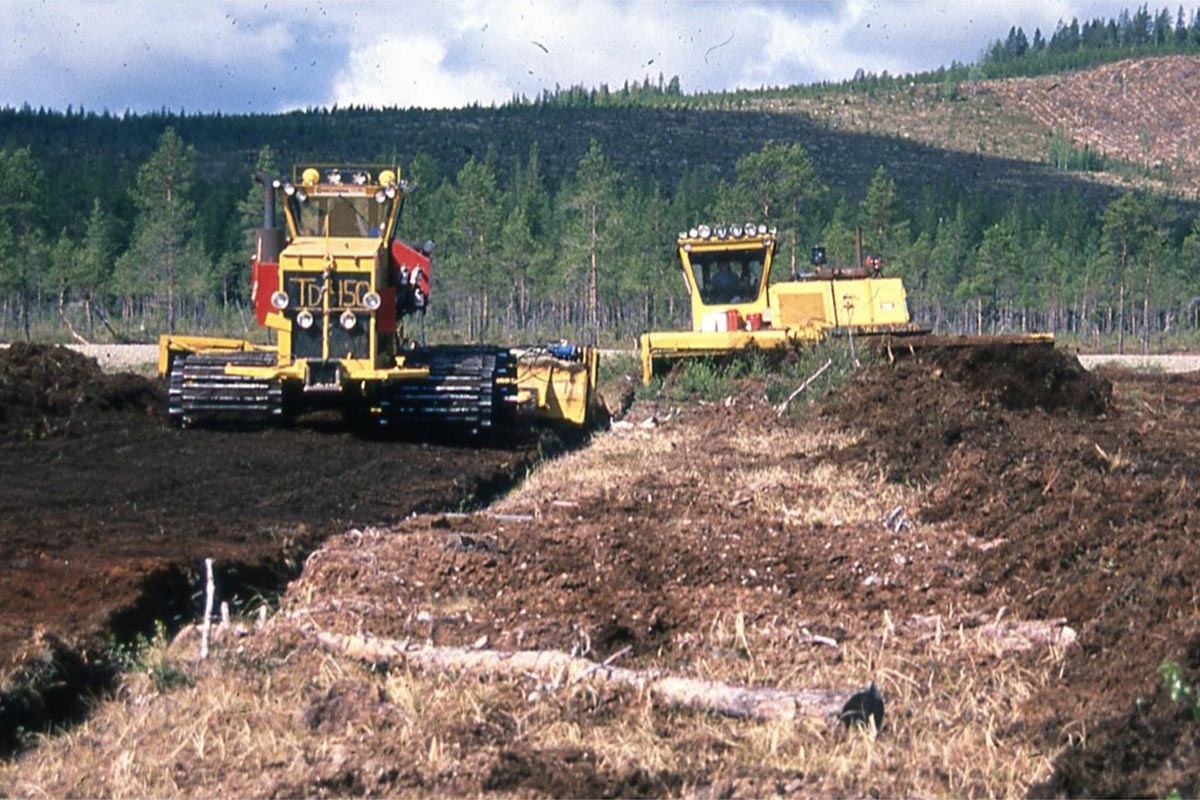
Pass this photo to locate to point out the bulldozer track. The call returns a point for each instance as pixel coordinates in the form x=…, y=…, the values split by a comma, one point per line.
x=201, y=393
x=467, y=387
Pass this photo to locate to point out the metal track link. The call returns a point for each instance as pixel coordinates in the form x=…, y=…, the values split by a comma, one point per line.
x=465, y=389
x=201, y=393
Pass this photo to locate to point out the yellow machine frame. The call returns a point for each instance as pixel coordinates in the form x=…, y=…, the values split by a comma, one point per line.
x=798, y=311
x=550, y=389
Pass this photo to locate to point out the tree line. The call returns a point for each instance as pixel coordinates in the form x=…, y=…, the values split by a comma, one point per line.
x=522, y=258
x=1076, y=45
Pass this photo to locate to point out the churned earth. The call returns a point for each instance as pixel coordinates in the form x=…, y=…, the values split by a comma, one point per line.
x=107, y=511
x=999, y=539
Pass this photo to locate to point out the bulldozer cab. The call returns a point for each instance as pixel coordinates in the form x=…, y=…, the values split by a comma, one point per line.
x=337, y=202
x=354, y=217
x=723, y=278
x=726, y=270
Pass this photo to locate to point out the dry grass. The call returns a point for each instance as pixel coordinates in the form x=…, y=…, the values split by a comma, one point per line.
x=951, y=731
x=272, y=716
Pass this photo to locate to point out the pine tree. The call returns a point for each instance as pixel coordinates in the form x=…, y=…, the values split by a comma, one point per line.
x=20, y=234
x=476, y=227
x=779, y=185
x=591, y=203
x=94, y=262
x=165, y=253
x=1126, y=232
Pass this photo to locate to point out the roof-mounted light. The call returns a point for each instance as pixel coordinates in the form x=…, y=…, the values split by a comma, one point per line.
x=722, y=231
x=360, y=178
x=762, y=230
x=694, y=233
x=310, y=176
x=735, y=231
x=387, y=178
x=704, y=231
x=289, y=189
x=380, y=195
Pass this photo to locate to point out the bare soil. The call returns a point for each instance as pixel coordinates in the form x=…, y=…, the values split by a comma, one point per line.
x=107, y=511
x=1092, y=509
x=1014, y=485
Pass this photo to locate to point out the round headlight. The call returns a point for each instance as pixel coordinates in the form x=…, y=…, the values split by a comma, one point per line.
x=390, y=191
x=279, y=300
x=749, y=228
x=722, y=232
x=694, y=233
x=289, y=188
x=735, y=231
x=348, y=320
x=304, y=319
x=705, y=231
x=301, y=195
x=372, y=301
x=380, y=196
x=762, y=229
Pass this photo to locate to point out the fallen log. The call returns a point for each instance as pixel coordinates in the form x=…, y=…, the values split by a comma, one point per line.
x=561, y=669
x=1006, y=635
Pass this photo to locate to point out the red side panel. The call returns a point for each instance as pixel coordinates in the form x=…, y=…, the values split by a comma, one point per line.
x=264, y=284
x=410, y=274
x=385, y=317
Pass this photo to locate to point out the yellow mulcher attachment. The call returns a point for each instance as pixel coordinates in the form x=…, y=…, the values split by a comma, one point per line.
x=734, y=305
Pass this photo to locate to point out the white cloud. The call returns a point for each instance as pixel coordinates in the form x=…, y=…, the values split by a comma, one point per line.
x=410, y=73
x=239, y=56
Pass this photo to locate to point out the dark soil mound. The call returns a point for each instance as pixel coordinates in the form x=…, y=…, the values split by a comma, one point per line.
x=1088, y=511
x=53, y=391
x=1024, y=376
x=922, y=408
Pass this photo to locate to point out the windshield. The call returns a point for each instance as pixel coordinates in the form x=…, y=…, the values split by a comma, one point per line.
x=343, y=216
x=726, y=277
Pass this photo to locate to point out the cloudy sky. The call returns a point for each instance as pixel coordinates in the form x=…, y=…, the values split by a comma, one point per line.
x=271, y=55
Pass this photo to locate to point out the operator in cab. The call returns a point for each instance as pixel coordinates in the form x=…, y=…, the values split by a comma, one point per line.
x=725, y=285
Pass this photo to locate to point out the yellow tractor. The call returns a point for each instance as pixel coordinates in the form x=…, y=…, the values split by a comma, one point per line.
x=735, y=306
x=335, y=286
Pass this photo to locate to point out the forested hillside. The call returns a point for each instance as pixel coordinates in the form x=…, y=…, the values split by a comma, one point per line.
x=1014, y=231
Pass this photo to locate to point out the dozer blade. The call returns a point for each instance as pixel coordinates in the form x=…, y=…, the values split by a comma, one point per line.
x=557, y=384
x=897, y=345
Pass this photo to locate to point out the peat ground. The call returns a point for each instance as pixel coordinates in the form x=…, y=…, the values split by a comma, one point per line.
x=887, y=533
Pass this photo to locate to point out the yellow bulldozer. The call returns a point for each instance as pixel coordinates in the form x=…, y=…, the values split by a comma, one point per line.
x=335, y=286
x=735, y=306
